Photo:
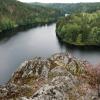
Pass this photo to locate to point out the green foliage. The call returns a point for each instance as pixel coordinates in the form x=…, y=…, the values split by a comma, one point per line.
x=6, y=23
x=71, y=7
x=14, y=13
x=80, y=28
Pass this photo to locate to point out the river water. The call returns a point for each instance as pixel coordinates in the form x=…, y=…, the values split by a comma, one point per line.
x=39, y=41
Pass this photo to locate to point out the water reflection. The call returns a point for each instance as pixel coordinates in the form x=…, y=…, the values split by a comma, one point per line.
x=39, y=41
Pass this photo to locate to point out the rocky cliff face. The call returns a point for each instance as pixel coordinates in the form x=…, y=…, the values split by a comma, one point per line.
x=60, y=77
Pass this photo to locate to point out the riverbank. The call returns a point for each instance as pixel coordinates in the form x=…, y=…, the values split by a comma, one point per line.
x=79, y=46
x=80, y=29
x=16, y=14
x=60, y=77
x=12, y=31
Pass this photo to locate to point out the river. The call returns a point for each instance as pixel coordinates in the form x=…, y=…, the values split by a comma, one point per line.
x=39, y=41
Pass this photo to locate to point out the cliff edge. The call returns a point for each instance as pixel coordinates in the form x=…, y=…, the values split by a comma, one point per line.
x=60, y=77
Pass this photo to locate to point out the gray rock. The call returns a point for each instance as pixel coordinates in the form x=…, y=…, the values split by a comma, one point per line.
x=56, y=78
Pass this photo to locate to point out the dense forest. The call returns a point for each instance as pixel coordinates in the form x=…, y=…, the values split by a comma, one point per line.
x=80, y=28
x=14, y=13
x=72, y=7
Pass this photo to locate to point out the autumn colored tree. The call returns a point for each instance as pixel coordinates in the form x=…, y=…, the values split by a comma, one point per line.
x=93, y=76
x=97, y=76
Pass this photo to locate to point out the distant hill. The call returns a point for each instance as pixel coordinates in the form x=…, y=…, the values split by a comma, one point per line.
x=14, y=13
x=72, y=7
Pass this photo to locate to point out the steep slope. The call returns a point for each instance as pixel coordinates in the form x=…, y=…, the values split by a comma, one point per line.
x=14, y=13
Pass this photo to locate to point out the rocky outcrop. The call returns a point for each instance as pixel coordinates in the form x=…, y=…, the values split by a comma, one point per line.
x=60, y=77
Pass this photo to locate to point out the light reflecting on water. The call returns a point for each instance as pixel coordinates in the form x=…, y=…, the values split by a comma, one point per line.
x=39, y=41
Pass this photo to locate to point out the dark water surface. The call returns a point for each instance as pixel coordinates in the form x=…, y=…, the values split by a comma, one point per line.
x=39, y=41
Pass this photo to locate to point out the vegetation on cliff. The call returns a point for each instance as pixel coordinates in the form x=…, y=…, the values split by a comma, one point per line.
x=14, y=13
x=80, y=29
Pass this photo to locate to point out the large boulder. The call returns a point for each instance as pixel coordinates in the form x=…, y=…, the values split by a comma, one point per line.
x=60, y=77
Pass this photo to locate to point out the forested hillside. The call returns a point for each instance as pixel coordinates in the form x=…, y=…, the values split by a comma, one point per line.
x=72, y=7
x=14, y=13
x=80, y=29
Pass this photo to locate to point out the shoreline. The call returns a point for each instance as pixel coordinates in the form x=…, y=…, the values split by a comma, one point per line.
x=13, y=31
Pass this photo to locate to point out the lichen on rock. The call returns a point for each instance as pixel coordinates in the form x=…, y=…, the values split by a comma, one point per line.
x=60, y=77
